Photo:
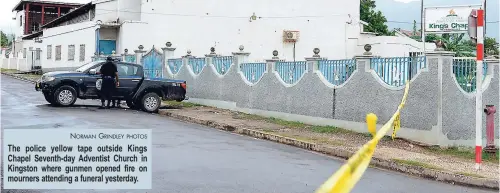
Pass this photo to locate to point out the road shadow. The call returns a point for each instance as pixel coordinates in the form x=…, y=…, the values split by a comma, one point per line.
x=170, y=107
x=80, y=106
x=96, y=107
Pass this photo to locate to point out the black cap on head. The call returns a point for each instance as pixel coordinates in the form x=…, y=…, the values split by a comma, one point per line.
x=109, y=59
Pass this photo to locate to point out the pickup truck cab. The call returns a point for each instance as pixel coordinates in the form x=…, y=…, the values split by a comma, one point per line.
x=62, y=88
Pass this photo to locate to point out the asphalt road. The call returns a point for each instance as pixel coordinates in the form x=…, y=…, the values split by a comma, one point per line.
x=190, y=158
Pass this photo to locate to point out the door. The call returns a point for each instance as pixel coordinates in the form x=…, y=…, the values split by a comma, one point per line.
x=129, y=76
x=91, y=83
x=107, y=46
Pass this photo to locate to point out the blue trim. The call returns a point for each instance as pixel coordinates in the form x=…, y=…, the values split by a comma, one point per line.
x=97, y=39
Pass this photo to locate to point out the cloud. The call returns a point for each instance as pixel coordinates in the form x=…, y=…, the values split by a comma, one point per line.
x=406, y=1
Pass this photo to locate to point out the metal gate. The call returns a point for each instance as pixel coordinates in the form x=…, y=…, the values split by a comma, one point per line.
x=153, y=64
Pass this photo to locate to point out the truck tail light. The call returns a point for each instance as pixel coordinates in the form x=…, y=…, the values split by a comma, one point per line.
x=183, y=85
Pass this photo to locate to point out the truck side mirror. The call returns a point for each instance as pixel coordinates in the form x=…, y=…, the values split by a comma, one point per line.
x=92, y=71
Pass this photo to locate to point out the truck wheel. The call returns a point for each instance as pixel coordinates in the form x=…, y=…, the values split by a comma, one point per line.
x=49, y=98
x=150, y=102
x=65, y=96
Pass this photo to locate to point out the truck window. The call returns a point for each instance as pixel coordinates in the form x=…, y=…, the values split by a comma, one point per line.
x=127, y=70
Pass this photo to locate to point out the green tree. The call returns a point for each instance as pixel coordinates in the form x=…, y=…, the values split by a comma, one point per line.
x=375, y=19
x=4, y=41
x=491, y=46
x=431, y=38
x=455, y=43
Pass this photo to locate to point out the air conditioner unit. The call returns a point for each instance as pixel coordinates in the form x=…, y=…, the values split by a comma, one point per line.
x=290, y=36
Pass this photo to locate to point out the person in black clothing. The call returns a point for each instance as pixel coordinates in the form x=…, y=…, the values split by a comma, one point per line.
x=109, y=74
x=116, y=103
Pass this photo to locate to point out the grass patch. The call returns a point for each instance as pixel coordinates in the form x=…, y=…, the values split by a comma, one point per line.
x=471, y=175
x=416, y=163
x=293, y=124
x=7, y=70
x=316, y=140
x=329, y=129
x=35, y=76
x=463, y=152
x=182, y=104
x=268, y=130
x=248, y=116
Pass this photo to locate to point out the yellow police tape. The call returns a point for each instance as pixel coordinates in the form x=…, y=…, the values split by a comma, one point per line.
x=349, y=174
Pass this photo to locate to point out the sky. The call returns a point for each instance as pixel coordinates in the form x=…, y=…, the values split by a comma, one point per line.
x=399, y=13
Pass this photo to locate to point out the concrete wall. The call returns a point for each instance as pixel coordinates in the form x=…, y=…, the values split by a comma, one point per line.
x=76, y=34
x=130, y=10
x=106, y=10
x=225, y=24
x=18, y=28
x=437, y=111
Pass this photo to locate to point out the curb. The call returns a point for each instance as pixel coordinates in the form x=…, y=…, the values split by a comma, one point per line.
x=437, y=175
x=19, y=77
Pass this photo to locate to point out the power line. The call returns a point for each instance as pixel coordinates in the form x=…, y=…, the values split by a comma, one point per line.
x=406, y=22
x=245, y=17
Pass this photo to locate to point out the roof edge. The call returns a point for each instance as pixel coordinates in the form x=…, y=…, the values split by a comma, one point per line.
x=22, y=2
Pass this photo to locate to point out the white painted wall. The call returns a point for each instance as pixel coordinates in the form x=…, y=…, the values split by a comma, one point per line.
x=128, y=38
x=76, y=34
x=106, y=10
x=129, y=10
x=392, y=46
x=29, y=55
x=224, y=24
x=19, y=29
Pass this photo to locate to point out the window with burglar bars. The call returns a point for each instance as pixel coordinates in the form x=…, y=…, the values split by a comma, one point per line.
x=38, y=53
x=58, y=52
x=82, y=52
x=24, y=52
x=71, y=52
x=49, y=51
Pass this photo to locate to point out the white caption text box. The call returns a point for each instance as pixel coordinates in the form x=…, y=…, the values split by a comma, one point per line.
x=106, y=165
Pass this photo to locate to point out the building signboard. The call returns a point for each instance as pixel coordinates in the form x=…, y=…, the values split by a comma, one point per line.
x=448, y=19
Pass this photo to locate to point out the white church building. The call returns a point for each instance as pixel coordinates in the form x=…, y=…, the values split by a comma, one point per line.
x=261, y=26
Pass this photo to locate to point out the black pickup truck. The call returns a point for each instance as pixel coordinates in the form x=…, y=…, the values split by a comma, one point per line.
x=62, y=88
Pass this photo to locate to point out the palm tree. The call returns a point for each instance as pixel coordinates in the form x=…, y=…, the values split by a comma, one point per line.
x=455, y=43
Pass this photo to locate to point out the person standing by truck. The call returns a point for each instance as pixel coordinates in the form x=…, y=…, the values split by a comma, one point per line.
x=110, y=81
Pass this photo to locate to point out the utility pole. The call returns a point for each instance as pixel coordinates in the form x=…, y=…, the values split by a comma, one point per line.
x=481, y=21
x=422, y=24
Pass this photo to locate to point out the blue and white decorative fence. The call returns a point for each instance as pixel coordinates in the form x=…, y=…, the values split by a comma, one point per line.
x=395, y=71
x=222, y=63
x=175, y=65
x=291, y=72
x=337, y=71
x=197, y=64
x=153, y=64
x=130, y=58
x=253, y=71
x=464, y=69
